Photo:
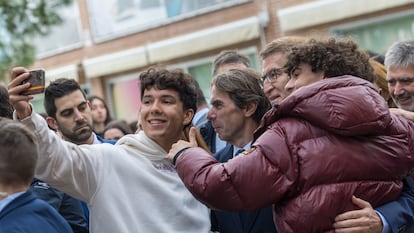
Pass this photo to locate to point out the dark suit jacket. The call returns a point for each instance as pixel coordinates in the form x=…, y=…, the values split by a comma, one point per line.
x=260, y=221
x=209, y=136
x=28, y=214
x=403, y=222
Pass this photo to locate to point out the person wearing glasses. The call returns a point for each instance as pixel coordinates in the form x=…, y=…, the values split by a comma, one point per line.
x=330, y=142
x=274, y=57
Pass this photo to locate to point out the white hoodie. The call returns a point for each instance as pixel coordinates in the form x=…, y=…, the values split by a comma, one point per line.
x=130, y=187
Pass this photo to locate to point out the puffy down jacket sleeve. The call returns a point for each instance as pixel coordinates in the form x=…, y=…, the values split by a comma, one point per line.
x=259, y=177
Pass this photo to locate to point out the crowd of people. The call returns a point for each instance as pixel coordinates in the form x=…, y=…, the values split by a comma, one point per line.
x=319, y=140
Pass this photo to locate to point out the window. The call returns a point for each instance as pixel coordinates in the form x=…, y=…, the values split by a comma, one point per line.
x=114, y=18
x=377, y=36
x=202, y=69
x=124, y=96
x=63, y=37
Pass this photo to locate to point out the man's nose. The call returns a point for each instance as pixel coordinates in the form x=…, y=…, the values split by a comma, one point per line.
x=289, y=87
x=78, y=115
x=211, y=114
x=155, y=107
x=398, y=89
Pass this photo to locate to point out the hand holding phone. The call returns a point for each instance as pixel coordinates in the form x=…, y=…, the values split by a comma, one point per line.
x=37, y=82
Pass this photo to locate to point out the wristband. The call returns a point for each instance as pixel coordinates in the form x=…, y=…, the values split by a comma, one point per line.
x=178, y=154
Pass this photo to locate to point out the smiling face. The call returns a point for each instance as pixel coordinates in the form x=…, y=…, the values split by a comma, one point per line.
x=162, y=117
x=401, y=86
x=275, y=89
x=73, y=118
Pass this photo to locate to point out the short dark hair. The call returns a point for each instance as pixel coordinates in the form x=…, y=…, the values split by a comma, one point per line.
x=6, y=108
x=122, y=125
x=57, y=89
x=175, y=79
x=335, y=57
x=243, y=86
x=229, y=57
x=19, y=153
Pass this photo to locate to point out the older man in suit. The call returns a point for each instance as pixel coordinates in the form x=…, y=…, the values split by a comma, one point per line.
x=237, y=105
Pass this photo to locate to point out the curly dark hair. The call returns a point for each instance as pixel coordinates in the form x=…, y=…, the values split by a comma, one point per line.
x=174, y=79
x=335, y=57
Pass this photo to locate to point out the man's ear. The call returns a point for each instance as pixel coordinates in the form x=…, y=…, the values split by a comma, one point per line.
x=52, y=123
x=188, y=116
x=250, y=109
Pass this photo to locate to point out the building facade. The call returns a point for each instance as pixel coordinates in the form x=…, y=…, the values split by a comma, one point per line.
x=105, y=44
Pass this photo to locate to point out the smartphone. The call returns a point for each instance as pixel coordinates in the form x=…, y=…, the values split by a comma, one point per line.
x=37, y=82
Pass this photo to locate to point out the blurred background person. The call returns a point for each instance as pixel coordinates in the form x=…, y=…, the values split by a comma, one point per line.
x=100, y=114
x=200, y=117
x=380, y=81
x=116, y=129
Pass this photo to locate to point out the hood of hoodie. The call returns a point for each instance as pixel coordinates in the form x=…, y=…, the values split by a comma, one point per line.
x=144, y=146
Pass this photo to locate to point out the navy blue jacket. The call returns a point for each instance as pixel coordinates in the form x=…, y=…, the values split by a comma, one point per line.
x=260, y=221
x=27, y=214
x=70, y=208
x=209, y=136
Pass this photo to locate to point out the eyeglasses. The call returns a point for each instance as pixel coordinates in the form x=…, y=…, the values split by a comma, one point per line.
x=272, y=75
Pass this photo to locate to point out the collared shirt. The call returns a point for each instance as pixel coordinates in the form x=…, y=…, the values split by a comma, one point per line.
x=245, y=147
x=95, y=139
x=8, y=199
x=385, y=226
x=198, y=115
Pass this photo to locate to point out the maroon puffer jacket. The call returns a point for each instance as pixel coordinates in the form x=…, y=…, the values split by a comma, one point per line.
x=326, y=142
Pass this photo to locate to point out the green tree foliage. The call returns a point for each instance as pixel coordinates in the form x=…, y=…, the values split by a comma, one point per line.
x=20, y=21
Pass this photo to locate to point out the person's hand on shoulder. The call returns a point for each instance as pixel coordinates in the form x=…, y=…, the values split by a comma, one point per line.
x=181, y=145
x=15, y=88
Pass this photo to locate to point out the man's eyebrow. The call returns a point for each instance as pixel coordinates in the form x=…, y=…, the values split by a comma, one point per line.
x=65, y=110
x=213, y=102
x=401, y=78
x=83, y=102
x=167, y=96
